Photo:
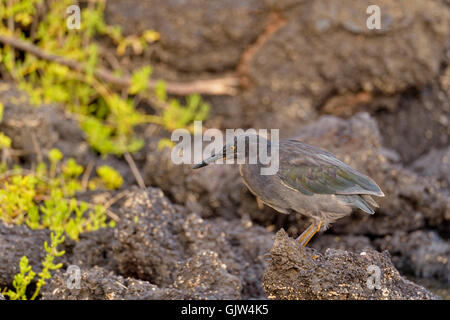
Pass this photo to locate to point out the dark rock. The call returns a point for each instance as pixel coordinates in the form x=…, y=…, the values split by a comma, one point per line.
x=439, y=288
x=296, y=272
x=196, y=35
x=205, y=276
x=159, y=242
x=99, y=284
x=293, y=56
x=419, y=253
x=326, y=51
x=435, y=164
x=418, y=122
x=16, y=242
x=250, y=244
x=326, y=46
x=92, y=249
x=147, y=242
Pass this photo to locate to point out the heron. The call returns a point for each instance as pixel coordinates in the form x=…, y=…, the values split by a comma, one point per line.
x=310, y=181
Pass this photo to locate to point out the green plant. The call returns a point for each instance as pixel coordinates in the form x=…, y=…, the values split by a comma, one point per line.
x=17, y=198
x=165, y=143
x=44, y=198
x=21, y=281
x=110, y=177
x=107, y=115
x=2, y=107
x=26, y=274
x=5, y=141
x=48, y=263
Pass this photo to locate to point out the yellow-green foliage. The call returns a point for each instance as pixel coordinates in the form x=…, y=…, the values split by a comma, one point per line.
x=48, y=263
x=44, y=198
x=21, y=281
x=26, y=273
x=108, y=117
x=2, y=107
x=165, y=143
x=110, y=177
x=17, y=198
x=5, y=141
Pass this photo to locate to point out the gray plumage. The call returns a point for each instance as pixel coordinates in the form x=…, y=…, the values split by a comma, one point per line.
x=310, y=181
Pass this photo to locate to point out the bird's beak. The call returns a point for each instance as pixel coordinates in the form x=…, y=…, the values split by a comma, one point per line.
x=211, y=159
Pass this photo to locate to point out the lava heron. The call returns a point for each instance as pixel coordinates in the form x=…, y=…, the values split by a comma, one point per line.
x=309, y=180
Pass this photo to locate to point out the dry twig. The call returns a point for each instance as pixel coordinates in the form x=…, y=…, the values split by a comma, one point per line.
x=219, y=86
x=134, y=170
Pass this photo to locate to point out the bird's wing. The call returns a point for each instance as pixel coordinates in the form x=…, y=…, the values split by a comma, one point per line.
x=312, y=170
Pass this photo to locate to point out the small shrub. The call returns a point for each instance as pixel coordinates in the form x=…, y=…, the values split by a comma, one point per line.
x=26, y=274
x=110, y=177
x=45, y=198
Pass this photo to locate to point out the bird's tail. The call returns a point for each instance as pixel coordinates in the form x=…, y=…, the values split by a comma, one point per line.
x=361, y=201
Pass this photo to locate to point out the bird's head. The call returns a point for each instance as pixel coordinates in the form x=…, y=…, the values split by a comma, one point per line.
x=241, y=147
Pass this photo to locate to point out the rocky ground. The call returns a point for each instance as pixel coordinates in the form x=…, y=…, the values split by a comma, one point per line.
x=380, y=102
x=304, y=273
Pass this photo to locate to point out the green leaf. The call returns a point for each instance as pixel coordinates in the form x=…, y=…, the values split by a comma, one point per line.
x=2, y=108
x=110, y=177
x=5, y=141
x=55, y=156
x=139, y=80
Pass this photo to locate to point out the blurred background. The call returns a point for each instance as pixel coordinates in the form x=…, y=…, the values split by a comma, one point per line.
x=90, y=92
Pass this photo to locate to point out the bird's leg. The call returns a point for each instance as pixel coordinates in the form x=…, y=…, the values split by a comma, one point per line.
x=307, y=235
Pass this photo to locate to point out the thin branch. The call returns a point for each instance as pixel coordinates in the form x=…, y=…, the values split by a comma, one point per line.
x=134, y=170
x=36, y=147
x=86, y=175
x=5, y=156
x=220, y=86
x=112, y=215
x=114, y=199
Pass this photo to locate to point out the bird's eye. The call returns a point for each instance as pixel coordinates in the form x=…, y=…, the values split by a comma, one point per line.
x=233, y=148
